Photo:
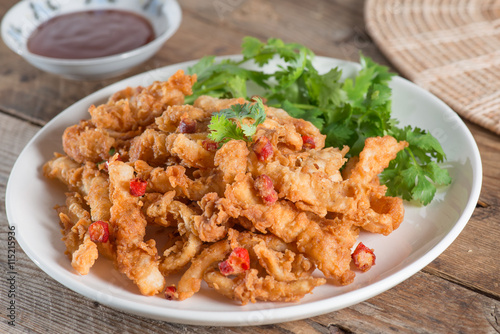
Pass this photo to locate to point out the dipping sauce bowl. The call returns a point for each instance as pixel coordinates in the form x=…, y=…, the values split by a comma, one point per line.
x=24, y=21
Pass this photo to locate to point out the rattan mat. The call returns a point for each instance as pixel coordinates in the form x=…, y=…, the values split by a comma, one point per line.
x=449, y=47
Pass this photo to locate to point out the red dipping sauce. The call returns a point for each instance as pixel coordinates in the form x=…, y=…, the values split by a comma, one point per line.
x=90, y=34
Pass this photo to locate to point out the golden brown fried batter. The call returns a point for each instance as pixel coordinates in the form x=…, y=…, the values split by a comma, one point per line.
x=136, y=258
x=150, y=146
x=67, y=171
x=249, y=287
x=170, y=120
x=189, y=149
x=131, y=109
x=75, y=221
x=84, y=142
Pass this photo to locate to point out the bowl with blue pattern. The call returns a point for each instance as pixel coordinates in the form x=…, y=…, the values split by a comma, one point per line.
x=23, y=19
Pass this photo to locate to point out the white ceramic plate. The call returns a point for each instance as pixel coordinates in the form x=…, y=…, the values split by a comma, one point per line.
x=425, y=233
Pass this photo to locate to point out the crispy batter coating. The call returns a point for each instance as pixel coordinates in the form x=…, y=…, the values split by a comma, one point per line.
x=136, y=258
x=305, y=178
x=169, y=121
x=190, y=281
x=75, y=221
x=375, y=157
x=133, y=108
x=280, y=197
x=189, y=149
x=84, y=142
x=292, y=129
x=66, y=170
x=286, y=221
x=249, y=287
x=150, y=146
x=232, y=159
x=174, y=177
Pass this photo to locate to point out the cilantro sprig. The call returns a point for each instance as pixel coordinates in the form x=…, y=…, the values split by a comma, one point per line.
x=346, y=111
x=240, y=121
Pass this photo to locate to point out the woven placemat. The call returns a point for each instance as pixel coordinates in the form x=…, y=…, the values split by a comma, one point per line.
x=449, y=47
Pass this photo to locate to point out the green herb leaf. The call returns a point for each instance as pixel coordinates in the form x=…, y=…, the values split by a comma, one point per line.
x=223, y=129
x=238, y=122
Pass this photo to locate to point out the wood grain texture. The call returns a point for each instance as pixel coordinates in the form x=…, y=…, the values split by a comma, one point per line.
x=457, y=293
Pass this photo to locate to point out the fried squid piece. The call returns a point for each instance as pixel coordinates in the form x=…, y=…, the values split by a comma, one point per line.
x=180, y=254
x=288, y=134
x=75, y=221
x=171, y=120
x=231, y=159
x=66, y=170
x=187, y=220
x=165, y=208
x=91, y=186
x=277, y=258
x=84, y=142
x=326, y=162
x=190, y=281
x=131, y=109
x=150, y=146
x=304, y=128
x=284, y=265
x=283, y=137
x=310, y=180
x=137, y=259
x=376, y=212
x=155, y=209
x=97, y=196
x=100, y=204
x=171, y=178
x=375, y=157
x=248, y=287
x=75, y=176
x=189, y=149
x=212, y=225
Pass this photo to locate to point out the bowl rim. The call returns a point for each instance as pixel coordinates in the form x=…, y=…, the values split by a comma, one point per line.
x=170, y=9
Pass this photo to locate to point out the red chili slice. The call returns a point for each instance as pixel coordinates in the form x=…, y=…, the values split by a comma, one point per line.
x=308, y=142
x=171, y=293
x=99, y=231
x=187, y=125
x=209, y=145
x=363, y=257
x=264, y=185
x=237, y=262
x=138, y=187
x=263, y=148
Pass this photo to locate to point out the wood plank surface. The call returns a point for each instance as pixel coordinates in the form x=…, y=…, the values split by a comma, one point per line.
x=459, y=292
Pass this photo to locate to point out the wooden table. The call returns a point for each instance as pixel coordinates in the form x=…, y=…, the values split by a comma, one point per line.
x=459, y=292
